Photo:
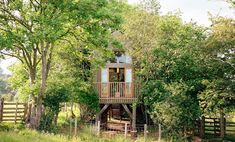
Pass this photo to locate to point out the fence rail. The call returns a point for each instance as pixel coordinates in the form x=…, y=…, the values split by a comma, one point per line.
x=12, y=111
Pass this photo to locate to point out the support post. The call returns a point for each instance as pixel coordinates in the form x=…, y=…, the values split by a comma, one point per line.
x=75, y=126
x=127, y=110
x=159, y=132
x=1, y=108
x=99, y=113
x=145, y=132
x=134, y=131
x=202, y=127
x=125, y=130
x=222, y=124
x=98, y=128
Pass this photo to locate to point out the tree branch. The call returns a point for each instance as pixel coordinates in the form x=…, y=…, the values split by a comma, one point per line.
x=12, y=55
x=16, y=19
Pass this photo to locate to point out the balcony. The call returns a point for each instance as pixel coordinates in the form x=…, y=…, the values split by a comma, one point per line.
x=116, y=92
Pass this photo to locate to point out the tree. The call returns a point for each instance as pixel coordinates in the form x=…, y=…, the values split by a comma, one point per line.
x=232, y=2
x=219, y=51
x=30, y=30
x=167, y=60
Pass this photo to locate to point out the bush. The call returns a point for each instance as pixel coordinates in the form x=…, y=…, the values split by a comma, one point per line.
x=52, y=100
x=172, y=106
x=11, y=127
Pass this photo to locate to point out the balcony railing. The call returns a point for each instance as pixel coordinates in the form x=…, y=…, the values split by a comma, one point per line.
x=116, y=92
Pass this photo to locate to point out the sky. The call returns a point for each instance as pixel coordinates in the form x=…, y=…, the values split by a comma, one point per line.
x=196, y=10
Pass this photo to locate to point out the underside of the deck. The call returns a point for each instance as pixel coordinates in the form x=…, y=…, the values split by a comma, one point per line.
x=117, y=100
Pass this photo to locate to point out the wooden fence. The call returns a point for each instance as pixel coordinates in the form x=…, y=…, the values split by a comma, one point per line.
x=12, y=111
x=230, y=128
x=214, y=126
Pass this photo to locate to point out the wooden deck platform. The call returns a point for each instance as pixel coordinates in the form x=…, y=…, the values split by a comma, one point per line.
x=117, y=92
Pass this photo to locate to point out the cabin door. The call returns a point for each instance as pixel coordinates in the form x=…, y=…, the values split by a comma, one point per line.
x=116, y=82
x=116, y=75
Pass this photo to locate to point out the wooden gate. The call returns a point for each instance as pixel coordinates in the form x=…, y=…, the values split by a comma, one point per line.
x=214, y=126
x=12, y=111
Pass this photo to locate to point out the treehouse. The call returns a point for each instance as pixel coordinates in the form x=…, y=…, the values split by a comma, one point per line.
x=116, y=88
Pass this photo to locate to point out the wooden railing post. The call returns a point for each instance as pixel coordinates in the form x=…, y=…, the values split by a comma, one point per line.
x=1, y=108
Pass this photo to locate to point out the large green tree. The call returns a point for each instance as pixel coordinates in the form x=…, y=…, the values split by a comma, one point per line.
x=167, y=60
x=219, y=52
x=30, y=30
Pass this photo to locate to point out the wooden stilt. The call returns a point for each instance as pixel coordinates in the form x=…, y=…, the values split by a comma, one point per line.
x=99, y=113
x=127, y=110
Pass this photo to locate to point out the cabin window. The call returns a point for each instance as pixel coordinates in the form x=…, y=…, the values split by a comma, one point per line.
x=104, y=74
x=128, y=75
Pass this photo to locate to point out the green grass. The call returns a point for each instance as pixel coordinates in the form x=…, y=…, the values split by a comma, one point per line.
x=29, y=136
x=34, y=136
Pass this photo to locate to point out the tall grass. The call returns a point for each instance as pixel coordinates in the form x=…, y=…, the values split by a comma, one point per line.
x=85, y=135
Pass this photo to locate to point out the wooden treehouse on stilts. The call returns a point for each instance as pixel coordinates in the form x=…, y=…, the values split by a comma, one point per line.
x=117, y=90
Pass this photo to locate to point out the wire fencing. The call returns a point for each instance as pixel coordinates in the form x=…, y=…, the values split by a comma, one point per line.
x=113, y=129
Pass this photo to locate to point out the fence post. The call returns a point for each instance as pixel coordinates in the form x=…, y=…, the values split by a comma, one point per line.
x=125, y=130
x=202, y=127
x=25, y=110
x=66, y=115
x=145, y=132
x=159, y=132
x=98, y=128
x=1, y=108
x=65, y=107
x=75, y=126
x=222, y=125
x=16, y=111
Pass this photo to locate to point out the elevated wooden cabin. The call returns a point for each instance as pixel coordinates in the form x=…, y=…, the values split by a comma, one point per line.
x=115, y=85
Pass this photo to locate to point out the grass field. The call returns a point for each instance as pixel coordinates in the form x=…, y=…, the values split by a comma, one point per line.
x=17, y=133
x=34, y=136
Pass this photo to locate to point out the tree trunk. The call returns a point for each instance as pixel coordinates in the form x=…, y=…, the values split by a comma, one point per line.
x=37, y=110
x=31, y=112
x=31, y=61
x=44, y=50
